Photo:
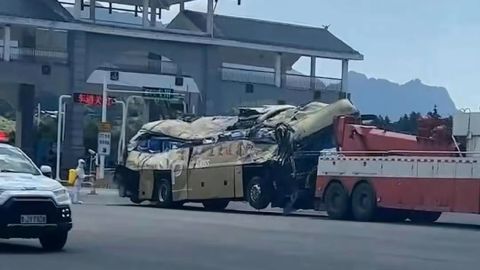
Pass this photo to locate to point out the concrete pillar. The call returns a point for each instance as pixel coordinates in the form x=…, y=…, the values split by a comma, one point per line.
x=24, y=133
x=278, y=70
x=182, y=6
x=212, y=95
x=92, y=9
x=153, y=15
x=146, y=4
x=345, y=75
x=6, y=42
x=77, y=9
x=210, y=17
x=313, y=72
x=72, y=147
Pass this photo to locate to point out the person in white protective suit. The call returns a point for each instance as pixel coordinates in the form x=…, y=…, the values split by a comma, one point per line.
x=80, y=171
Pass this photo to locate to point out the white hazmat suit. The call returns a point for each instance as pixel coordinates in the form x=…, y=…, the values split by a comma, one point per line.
x=80, y=171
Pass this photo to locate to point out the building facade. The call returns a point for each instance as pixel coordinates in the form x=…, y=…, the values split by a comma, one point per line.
x=55, y=46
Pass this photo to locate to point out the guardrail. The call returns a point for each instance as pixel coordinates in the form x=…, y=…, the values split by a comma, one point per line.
x=299, y=81
x=290, y=80
x=32, y=54
x=151, y=66
x=248, y=76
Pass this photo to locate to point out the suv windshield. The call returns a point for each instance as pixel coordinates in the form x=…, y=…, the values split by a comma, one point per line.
x=14, y=161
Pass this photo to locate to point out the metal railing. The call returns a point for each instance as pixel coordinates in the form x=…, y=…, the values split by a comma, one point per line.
x=299, y=81
x=162, y=66
x=248, y=76
x=289, y=80
x=32, y=54
x=150, y=66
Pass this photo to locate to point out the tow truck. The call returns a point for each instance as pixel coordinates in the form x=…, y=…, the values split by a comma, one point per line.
x=377, y=174
x=32, y=205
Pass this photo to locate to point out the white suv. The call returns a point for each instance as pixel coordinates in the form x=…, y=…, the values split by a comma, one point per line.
x=32, y=205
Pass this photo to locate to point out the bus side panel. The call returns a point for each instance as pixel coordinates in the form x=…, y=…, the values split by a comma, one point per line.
x=146, y=183
x=238, y=182
x=179, y=184
x=211, y=183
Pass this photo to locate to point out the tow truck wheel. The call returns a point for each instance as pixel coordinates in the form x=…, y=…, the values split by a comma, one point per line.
x=259, y=193
x=54, y=241
x=364, y=202
x=216, y=205
x=424, y=217
x=164, y=193
x=336, y=201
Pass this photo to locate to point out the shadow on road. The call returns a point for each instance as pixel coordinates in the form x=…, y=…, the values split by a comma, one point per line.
x=447, y=225
x=228, y=211
x=15, y=248
x=473, y=227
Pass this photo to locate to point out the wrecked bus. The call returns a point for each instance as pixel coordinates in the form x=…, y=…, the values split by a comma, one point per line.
x=214, y=160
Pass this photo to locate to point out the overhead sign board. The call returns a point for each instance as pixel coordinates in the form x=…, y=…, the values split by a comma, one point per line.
x=91, y=99
x=161, y=93
x=104, y=143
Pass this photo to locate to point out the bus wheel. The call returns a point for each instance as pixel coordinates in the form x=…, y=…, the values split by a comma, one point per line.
x=164, y=193
x=259, y=193
x=135, y=200
x=336, y=201
x=364, y=202
x=424, y=217
x=216, y=205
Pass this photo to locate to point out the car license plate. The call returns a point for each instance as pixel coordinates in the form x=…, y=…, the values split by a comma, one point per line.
x=33, y=219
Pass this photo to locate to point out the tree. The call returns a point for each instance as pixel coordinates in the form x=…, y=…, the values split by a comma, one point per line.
x=387, y=121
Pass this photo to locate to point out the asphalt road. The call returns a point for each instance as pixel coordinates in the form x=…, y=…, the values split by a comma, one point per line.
x=109, y=234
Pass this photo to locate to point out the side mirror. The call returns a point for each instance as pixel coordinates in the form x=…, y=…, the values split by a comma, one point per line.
x=46, y=170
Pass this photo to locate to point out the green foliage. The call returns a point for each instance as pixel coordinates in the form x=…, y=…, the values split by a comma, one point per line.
x=47, y=129
x=407, y=123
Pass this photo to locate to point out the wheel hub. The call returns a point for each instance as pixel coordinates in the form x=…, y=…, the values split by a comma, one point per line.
x=162, y=193
x=364, y=200
x=255, y=192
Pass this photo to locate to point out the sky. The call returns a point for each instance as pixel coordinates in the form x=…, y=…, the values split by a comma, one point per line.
x=436, y=41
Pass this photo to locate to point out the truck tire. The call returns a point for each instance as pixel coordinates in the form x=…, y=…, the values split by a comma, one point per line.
x=337, y=201
x=164, y=193
x=424, y=217
x=136, y=201
x=216, y=205
x=54, y=241
x=259, y=193
x=364, y=202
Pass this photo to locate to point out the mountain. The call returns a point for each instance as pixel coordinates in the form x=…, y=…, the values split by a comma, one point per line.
x=383, y=97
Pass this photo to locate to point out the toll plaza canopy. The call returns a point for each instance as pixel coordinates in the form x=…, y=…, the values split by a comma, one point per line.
x=271, y=33
x=45, y=10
